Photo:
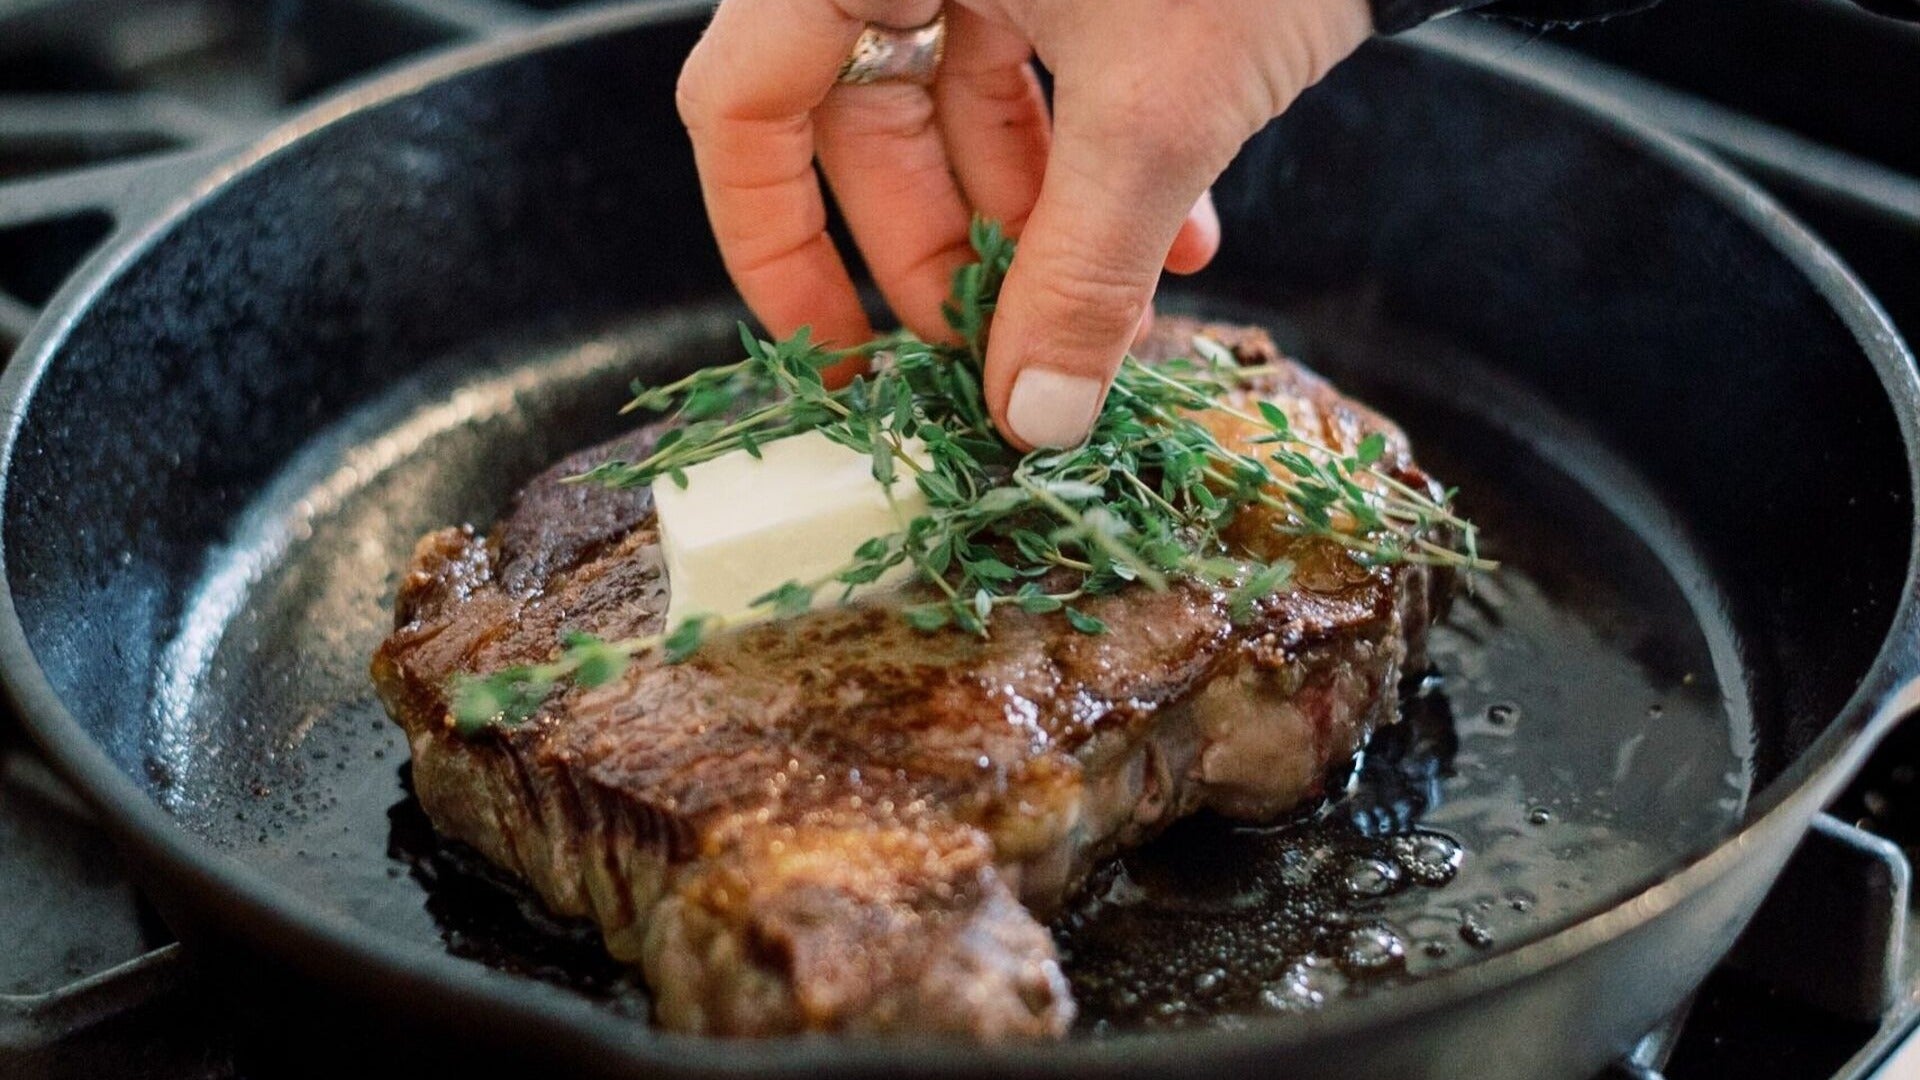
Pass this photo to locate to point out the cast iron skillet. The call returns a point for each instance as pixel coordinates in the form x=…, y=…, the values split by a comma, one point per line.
x=388, y=313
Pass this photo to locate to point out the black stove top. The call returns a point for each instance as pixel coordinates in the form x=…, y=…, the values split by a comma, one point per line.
x=1812, y=98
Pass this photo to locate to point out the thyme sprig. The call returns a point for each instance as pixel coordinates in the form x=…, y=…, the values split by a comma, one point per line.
x=1145, y=500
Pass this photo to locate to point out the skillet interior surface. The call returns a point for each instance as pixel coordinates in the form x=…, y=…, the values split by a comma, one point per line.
x=354, y=342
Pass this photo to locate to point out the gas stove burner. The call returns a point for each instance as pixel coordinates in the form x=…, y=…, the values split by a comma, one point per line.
x=1821, y=987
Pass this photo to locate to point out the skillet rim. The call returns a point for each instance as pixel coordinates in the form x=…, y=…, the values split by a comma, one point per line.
x=332, y=948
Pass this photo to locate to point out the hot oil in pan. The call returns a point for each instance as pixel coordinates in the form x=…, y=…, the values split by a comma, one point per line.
x=486, y=916
x=1572, y=743
x=1570, y=738
x=1444, y=848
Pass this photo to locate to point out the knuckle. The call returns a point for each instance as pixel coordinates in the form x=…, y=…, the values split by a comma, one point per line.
x=1086, y=299
x=690, y=97
x=892, y=113
x=1313, y=38
x=1007, y=88
x=1283, y=79
x=1170, y=132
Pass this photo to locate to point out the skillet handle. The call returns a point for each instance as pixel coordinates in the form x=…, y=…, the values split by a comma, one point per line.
x=72, y=214
x=74, y=1023
x=1832, y=933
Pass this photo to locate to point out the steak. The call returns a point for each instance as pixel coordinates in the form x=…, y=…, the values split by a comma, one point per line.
x=838, y=823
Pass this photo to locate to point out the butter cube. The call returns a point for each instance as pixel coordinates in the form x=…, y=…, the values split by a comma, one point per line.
x=744, y=526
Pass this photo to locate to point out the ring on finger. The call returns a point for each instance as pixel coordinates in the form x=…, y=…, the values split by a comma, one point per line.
x=883, y=54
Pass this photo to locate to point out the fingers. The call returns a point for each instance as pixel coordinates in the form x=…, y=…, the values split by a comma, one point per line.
x=1151, y=103
x=994, y=117
x=1198, y=240
x=770, y=222
x=998, y=133
x=1194, y=246
x=1119, y=194
x=1119, y=188
x=746, y=95
x=882, y=153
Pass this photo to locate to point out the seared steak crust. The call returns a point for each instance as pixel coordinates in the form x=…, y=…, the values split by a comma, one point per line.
x=838, y=823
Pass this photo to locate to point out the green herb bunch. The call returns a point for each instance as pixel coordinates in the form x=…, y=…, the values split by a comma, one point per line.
x=1145, y=500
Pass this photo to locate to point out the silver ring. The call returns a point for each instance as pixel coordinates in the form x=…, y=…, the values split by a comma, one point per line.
x=885, y=55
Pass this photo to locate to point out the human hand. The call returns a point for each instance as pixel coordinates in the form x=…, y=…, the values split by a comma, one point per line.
x=1152, y=99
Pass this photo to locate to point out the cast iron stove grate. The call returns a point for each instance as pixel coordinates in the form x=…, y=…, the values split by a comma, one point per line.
x=91, y=983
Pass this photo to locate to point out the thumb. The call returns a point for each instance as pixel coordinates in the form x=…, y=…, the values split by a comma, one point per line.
x=1138, y=137
x=1117, y=191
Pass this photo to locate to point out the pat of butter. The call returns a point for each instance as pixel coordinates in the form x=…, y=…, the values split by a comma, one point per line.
x=742, y=527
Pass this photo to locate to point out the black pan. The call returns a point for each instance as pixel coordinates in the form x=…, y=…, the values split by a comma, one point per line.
x=1684, y=426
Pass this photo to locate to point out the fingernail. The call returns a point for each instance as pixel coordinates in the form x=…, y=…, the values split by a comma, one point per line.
x=1050, y=408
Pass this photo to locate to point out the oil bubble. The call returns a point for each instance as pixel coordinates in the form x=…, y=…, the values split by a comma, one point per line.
x=1474, y=932
x=1373, y=947
x=1428, y=858
x=1369, y=878
x=1308, y=984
